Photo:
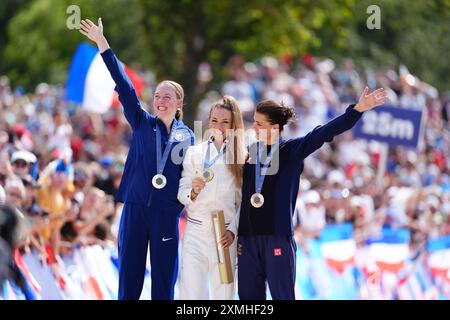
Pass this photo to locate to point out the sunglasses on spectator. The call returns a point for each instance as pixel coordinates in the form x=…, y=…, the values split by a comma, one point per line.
x=20, y=163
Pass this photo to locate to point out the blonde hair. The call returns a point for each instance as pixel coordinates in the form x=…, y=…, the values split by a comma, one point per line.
x=238, y=153
x=179, y=92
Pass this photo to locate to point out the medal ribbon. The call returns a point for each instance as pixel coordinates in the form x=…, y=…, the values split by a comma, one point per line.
x=161, y=161
x=208, y=163
x=260, y=174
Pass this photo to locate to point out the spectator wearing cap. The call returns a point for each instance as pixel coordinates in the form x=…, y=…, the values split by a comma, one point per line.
x=21, y=162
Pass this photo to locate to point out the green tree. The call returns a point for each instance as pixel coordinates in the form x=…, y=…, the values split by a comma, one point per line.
x=8, y=8
x=40, y=45
x=173, y=37
x=182, y=34
x=415, y=33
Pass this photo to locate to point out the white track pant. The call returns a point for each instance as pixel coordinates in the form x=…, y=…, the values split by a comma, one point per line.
x=199, y=265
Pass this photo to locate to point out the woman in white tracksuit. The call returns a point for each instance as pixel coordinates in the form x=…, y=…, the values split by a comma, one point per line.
x=223, y=154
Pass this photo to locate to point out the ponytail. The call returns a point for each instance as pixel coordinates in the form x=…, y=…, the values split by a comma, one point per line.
x=179, y=114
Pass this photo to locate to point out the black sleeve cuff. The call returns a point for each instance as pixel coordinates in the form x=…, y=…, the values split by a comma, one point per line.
x=352, y=112
x=107, y=52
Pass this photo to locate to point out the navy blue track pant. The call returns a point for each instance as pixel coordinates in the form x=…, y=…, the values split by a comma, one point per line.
x=138, y=226
x=266, y=257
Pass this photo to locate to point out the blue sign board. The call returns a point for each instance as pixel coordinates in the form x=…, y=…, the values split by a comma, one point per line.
x=391, y=125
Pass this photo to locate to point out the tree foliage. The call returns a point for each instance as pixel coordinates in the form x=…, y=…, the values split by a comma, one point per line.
x=415, y=33
x=173, y=37
x=40, y=46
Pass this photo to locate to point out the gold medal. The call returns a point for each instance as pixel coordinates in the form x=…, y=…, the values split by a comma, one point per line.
x=207, y=174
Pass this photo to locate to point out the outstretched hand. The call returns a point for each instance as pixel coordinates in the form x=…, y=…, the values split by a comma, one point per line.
x=372, y=100
x=94, y=33
x=90, y=30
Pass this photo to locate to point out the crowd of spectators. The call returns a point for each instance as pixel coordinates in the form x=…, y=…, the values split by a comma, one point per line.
x=61, y=166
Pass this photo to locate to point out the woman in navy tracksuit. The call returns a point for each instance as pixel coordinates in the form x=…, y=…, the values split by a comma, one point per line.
x=150, y=180
x=266, y=247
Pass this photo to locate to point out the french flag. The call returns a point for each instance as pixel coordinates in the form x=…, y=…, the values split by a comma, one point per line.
x=338, y=246
x=90, y=84
x=439, y=257
x=390, y=250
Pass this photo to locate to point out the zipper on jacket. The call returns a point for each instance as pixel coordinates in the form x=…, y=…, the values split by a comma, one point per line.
x=150, y=198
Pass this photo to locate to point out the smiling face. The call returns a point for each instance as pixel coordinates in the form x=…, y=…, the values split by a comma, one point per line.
x=166, y=102
x=220, y=121
x=264, y=129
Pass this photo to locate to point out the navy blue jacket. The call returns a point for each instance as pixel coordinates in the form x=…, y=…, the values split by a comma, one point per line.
x=280, y=189
x=140, y=166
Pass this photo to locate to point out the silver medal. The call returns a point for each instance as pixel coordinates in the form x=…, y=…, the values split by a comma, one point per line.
x=179, y=136
x=257, y=200
x=159, y=181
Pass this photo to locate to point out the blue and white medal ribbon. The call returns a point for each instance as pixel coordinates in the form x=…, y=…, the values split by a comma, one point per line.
x=257, y=199
x=159, y=181
x=207, y=173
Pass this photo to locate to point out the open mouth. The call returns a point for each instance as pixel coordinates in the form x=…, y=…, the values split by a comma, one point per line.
x=162, y=108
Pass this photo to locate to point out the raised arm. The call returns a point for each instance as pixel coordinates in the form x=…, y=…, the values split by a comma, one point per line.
x=127, y=95
x=303, y=147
